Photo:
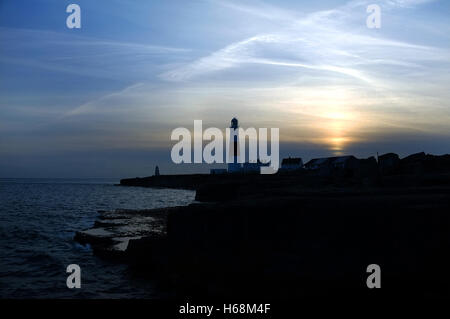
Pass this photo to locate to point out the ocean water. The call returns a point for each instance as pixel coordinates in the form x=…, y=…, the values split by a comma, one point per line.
x=38, y=219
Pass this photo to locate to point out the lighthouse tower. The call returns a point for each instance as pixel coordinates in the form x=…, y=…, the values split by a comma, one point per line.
x=234, y=166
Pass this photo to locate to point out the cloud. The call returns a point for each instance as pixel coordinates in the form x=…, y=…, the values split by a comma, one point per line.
x=259, y=9
x=385, y=72
x=322, y=77
x=319, y=41
x=407, y=3
x=93, y=105
x=82, y=55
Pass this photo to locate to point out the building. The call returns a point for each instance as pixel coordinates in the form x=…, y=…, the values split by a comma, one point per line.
x=291, y=164
x=218, y=171
x=332, y=162
x=328, y=165
x=388, y=163
x=233, y=165
x=252, y=167
x=317, y=163
x=344, y=162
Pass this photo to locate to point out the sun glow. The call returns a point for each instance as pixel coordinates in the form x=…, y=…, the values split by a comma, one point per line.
x=337, y=132
x=332, y=115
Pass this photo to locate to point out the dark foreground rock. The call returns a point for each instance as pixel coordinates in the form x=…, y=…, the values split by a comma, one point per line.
x=293, y=234
x=310, y=243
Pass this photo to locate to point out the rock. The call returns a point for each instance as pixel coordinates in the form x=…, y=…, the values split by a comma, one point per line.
x=114, y=230
x=293, y=246
x=213, y=192
x=293, y=235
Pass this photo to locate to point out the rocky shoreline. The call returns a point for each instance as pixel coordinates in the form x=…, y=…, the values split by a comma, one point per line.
x=289, y=235
x=287, y=246
x=114, y=230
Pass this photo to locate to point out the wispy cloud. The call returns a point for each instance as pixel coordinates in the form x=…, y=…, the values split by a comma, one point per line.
x=319, y=40
x=92, y=106
x=81, y=55
x=320, y=75
x=259, y=9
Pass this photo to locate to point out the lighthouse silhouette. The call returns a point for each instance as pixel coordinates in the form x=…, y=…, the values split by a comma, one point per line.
x=234, y=165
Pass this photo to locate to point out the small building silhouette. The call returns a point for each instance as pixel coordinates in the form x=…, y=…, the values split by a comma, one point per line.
x=156, y=170
x=218, y=171
x=291, y=164
x=327, y=165
x=332, y=162
x=388, y=163
x=253, y=167
x=413, y=164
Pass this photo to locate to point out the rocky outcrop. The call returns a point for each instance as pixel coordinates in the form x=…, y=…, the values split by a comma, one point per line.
x=113, y=233
x=191, y=181
x=293, y=235
x=316, y=244
x=303, y=243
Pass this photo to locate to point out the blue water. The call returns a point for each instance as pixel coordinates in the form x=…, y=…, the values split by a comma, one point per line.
x=38, y=219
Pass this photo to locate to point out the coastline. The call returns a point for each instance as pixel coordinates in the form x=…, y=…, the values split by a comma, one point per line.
x=293, y=235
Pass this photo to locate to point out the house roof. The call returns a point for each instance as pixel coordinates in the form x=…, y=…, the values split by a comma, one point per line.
x=317, y=161
x=341, y=159
x=388, y=155
x=330, y=160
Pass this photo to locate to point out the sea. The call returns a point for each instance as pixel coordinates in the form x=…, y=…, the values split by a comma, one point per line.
x=38, y=220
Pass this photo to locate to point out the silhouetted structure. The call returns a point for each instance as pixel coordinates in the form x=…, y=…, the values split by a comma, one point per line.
x=234, y=166
x=252, y=167
x=218, y=171
x=304, y=234
x=326, y=165
x=156, y=170
x=388, y=163
x=291, y=164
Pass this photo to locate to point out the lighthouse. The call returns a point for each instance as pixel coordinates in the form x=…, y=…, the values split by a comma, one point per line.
x=233, y=164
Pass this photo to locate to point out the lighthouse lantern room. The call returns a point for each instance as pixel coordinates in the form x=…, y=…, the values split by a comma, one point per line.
x=234, y=166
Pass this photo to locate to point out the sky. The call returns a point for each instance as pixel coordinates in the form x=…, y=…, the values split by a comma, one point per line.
x=102, y=100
